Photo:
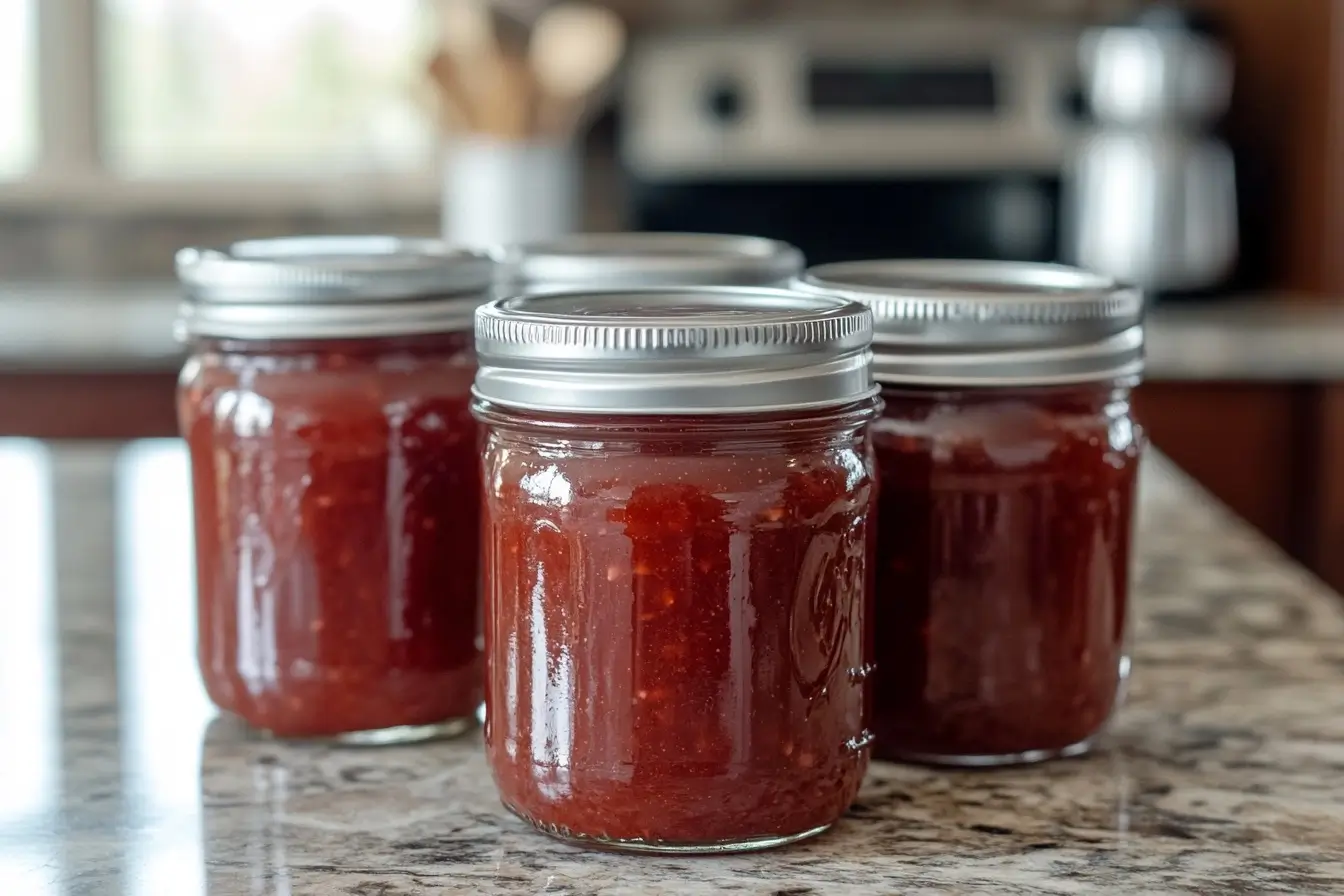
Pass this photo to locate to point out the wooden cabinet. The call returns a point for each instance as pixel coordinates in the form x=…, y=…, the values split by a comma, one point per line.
x=84, y=405
x=1324, y=548
x=1246, y=443
x=1272, y=452
x=1288, y=120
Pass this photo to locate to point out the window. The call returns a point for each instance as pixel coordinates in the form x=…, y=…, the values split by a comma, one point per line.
x=264, y=88
x=18, y=125
x=227, y=105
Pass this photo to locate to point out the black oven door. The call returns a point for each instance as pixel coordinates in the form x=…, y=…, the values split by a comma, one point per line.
x=1011, y=217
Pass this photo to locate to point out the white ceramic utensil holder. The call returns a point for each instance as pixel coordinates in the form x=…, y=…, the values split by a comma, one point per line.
x=497, y=192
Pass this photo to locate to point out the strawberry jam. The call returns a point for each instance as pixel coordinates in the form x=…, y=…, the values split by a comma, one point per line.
x=335, y=532
x=677, y=588
x=674, y=626
x=1003, y=565
x=336, y=477
x=1009, y=460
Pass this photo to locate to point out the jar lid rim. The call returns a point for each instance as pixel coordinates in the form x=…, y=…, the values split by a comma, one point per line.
x=969, y=292
x=990, y=323
x=673, y=350
x=331, y=269
x=313, y=287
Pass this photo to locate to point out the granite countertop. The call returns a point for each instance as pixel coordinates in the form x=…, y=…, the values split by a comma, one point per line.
x=1260, y=339
x=1223, y=773
x=94, y=327
x=128, y=327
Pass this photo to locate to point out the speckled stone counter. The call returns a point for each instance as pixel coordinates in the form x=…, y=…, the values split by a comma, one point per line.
x=1225, y=773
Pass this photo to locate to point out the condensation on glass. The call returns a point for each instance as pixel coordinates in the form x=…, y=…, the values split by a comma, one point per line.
x=335, y=474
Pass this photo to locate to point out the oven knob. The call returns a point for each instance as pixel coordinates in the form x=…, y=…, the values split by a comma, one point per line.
x=724, y=101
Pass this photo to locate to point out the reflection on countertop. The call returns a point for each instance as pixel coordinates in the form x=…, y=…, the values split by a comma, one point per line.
x=128, y=327
x=116, y=778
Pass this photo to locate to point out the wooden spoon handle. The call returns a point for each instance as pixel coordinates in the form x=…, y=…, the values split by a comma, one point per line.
x=454, y=98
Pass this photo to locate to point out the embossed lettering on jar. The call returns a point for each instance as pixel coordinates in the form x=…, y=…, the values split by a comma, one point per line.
x=678, y=507
x=335, y=469
x=1008, y=456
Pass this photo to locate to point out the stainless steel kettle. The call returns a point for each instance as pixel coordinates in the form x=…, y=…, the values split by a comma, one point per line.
x=1151, y=195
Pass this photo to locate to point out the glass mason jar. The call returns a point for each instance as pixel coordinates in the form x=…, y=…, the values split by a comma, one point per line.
x=1008, y=456
x=678, y=508
x=335, y=467
x=640, y=260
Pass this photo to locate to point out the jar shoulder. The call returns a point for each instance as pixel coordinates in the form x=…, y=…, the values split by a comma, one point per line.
x=285, y=371
x=305, y=393
x=739, y=483
x=1011, y=431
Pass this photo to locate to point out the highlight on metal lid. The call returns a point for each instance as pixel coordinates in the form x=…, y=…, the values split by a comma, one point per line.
x=322, y=287
x=610, y=260
x=990, y=323
x=678, y=350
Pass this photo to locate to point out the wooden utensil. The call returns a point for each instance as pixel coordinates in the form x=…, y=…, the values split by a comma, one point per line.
x=511, y=31
x=483, y=71
x=508, y=106
x=524, y=11
x=455, y=102
x=469, y=43
x=575, y=48
x=467, y=27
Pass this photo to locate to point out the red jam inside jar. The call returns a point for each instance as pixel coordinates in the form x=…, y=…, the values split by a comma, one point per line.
x=674, y=627
x=1003, y=564
x=676, y=604
x=335, y=472
x=336, y=544
x=1008, y=458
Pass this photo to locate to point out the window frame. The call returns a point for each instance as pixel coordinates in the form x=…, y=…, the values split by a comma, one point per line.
x=69, y=171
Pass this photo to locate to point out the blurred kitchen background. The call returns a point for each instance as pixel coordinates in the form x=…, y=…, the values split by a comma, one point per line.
x=1196, y=149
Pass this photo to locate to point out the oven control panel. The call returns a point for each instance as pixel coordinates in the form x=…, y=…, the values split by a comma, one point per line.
x=896, y=95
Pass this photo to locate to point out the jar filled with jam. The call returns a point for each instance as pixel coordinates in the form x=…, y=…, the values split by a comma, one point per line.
x=678, y=506
x=1008, y=457
x=638, y=260
x=335, y=475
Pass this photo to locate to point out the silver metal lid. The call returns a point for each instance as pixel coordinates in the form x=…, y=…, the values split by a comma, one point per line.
x=986, y=323
x=327, y=287
x=673, y=351
x=636, y=260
